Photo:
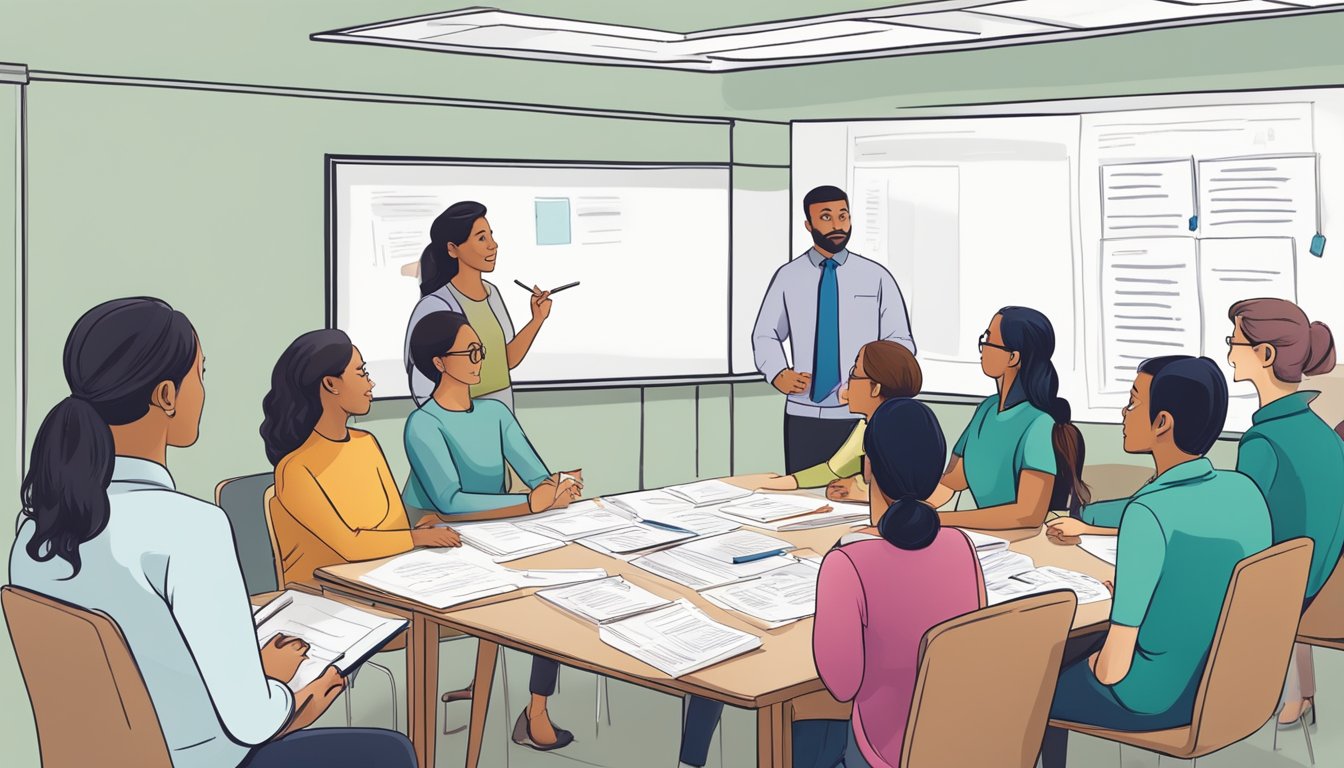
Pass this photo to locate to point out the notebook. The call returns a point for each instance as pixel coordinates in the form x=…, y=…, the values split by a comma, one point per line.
x=337, y=634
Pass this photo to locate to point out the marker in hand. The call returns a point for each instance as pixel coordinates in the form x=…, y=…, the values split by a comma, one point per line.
x=564, y=287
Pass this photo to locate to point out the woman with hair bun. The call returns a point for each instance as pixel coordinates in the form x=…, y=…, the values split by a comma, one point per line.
x=905, y=453
x=1294, y=457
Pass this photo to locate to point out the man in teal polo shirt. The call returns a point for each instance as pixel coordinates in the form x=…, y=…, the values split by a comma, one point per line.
x=1180, y=537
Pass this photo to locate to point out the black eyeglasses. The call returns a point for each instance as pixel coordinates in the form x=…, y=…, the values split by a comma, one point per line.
x=854, y=375
x=1231, y=343
x=475, y=353
x=985, y=342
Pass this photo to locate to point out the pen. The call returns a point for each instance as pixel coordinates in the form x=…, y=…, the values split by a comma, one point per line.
x=667, y=527
x=740, y=559
x=564, y=287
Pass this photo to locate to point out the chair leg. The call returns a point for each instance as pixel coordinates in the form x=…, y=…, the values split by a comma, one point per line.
x=349, y=719
x=597, y=706
x=1306, y=734
x=392, y=682
x=508, y=710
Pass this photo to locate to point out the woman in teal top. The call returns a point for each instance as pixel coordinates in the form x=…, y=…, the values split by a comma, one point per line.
x=1295, y=458
x=1020, y=456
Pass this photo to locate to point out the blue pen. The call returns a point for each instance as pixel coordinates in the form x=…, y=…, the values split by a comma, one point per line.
x=740, y=559
x=667, y=527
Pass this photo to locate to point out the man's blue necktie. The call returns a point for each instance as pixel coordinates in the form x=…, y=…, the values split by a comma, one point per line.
x=826, y=351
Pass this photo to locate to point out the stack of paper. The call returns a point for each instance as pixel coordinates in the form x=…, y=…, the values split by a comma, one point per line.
x=762, y=508
x=586, y=518
x=701, y=522
x=604, y=600
x=336, y=633
x=678, y=639
x=633, y=538
x=649, y=504
x=739, y=546
x=843, y=514
x=505, y=541
x=1009, y=575
x=708, y=492
x=984, y=543
x=777, y=598
x=707, y=563
x=441, y=578
x=1102, y=547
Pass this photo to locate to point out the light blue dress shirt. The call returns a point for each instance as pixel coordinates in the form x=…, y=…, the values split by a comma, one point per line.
x=871, y=308
x=458, y=458
x=165, y=569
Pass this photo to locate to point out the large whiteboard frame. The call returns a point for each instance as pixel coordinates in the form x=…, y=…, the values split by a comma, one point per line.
x=337, y=250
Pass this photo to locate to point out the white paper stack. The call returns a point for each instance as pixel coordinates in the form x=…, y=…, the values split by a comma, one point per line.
x=1102, y=547
x=337, y=634
x=605, y=600
x=504, y=541
x=706, y=563
x=442, y=578
x=708, y=492
x=984, y=543
x=763, y=508
x=633, y=538
x=777, y=598
x=649, y=504
x=1010, y=575
x=843, y=514
x=678, y=639
x=586, y=518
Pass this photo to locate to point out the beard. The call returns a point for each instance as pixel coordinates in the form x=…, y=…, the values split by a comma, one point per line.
x=825, y=243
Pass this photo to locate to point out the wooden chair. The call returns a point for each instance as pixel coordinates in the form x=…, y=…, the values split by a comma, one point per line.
x=1243, y=677
x=1003, y=695
x=1322, y=626
x=88, y=697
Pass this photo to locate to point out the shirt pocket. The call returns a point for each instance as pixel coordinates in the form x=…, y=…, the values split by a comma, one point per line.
x=863, y=316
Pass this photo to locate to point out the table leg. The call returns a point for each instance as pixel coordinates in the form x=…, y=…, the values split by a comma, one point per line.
x=486, y=653
x=422, y=685
x=772, y=746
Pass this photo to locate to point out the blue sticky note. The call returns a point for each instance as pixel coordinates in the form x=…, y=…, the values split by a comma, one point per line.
x=553, y=221
x=1318, y=245
x=1194, y=223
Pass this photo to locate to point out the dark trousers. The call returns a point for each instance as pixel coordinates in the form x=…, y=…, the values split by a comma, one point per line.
x=335, y=748
x=809, y=442
x=544, y=674
x=1081, y=698
x=702, y=717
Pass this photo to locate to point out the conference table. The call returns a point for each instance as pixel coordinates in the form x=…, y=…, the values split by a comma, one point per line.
x=778, y=680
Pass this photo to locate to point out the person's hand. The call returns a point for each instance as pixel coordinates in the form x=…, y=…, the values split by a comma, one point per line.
x=429, y=521
x=764, y=481
x=1066, y=530
x=553, y=493
x=791, y=382
x=846, y=489
x=541, y=304
x=312, y=700
x=281, y=657
x=1110, y=586
x=435, y=537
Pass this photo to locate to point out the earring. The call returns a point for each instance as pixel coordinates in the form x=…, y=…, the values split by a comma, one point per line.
x=170, y=413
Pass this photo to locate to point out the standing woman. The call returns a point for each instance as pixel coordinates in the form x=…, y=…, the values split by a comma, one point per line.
x=461, y=250
x=877, y=598
x=1290, y=452
x=1021, y=456
x=105, y=528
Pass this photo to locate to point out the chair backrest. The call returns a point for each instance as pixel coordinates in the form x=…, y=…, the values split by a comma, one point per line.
x=985, y=683
x=241, y=500
x=268, y=504
x=1248, y=660
x=1323, y=623
x=89, y=700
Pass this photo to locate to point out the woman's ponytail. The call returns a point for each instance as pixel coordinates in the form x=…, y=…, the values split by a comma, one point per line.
x=909, y=523
x=437, y=266
x=906, y=453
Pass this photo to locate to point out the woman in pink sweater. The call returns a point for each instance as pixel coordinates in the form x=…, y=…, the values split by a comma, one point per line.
x=877, y=598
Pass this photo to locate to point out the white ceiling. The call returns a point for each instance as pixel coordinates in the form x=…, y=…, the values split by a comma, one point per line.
x=912, y=28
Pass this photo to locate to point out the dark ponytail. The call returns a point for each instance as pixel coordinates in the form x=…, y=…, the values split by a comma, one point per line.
x=1030, y=334
x=293, y=405
x=906, y=453
x=115, y=356
x=454, y=225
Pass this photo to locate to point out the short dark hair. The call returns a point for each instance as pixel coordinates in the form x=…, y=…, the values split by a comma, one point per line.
x=823, y=194
x=435, y=334
x=1194, y=391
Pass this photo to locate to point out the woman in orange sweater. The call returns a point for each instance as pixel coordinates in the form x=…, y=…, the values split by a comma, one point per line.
x=335, y=499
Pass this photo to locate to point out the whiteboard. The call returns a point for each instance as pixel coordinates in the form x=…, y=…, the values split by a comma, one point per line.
x=1160, y=178
x=650, y=245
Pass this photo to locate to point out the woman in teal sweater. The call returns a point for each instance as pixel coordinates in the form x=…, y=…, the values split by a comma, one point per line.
x=1294, y=457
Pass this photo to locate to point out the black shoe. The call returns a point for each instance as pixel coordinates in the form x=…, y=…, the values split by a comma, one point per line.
x=522, y=734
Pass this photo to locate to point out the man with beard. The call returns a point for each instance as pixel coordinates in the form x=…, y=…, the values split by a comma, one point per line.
x=827, y=303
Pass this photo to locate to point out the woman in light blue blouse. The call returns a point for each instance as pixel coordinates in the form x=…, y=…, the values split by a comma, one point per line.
x=103, y=527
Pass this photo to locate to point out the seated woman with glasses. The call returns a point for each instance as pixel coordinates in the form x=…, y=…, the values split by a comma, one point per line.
x=1020, y=456
x=458, y=448
x=883, y=370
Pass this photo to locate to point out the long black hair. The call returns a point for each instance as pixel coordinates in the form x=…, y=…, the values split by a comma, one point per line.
x=906, y=452
x=432, y=337
x=294, y=404
x=115, y=356
x=1030, y=334
x=452, y=226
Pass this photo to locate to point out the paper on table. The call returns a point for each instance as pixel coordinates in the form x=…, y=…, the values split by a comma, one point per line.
x=645, y=503
x=701, y=522
x=586, y=518
x=760, y=507
x=677, y=640
x=441, y=578
x=535, y=577
x=604, y=600
x=729, y=546
x=983, y=542
x=505, y=541
x=779, y=597
x=839, y=516
x=1102, y=547
x=1045, y=579
x=336, y=633
x=699, y=571
x=708, y=492
x=633, y=538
